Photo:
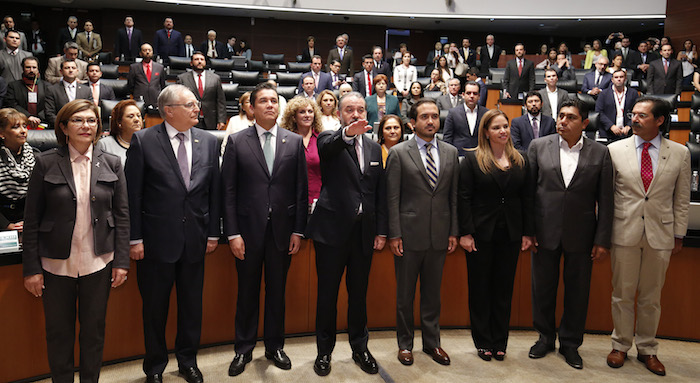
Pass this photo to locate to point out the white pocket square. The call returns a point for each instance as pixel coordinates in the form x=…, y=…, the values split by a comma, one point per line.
x=373, y=163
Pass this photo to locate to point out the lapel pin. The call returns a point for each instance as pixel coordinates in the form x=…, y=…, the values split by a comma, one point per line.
x=97, y=164
x=196, y=140
x=284, y=140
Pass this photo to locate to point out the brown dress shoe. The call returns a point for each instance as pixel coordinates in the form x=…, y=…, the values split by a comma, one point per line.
x=616, y=358
x=652, y=363
x=405, y=357
x=439, y=355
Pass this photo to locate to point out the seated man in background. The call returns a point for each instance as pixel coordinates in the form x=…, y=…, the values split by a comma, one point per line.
x=65, y=91
x=552, y=97
x=99, y=91
x=532, y=124
x=564, y=70
x=322, y=80
x=70, y=53
x=594, y=82
x=27, y=95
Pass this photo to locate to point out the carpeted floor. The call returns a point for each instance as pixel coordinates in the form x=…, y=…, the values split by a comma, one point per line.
x=680, y=358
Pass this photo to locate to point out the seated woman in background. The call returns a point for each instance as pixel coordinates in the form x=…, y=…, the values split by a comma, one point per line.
x=126, y=120
x=616, y=64
x=390, y=133
x=381, y=103
x=446, y=73
x=329, y=109
x=597, y=51
x=549, y=61
x=244, y=119
x=16, y=165
x=244, y=50
x=303, y=117
x=344, y=89
x=543, y=50
x=436, y=82
x=407, y=103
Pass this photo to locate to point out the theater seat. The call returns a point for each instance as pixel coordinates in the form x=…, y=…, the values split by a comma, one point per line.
x=568, y=85
x=670, y=98
x=104, y=58
x=221, y=65
x=694, y=126
x=273, y=61
x=695, y=103
x=588, y=100
x=288, y=78
x=120, y=87
x=42, y=139
x=434, y=94
x=254, y=65
x=288, y=92
x=180, y=64
x=642, y=87
x=297, y=67
x=106, y=107
x=231, y=93
x=245, y=78
x=593, y=124
x=110, y=71
x=424, y=81
x=420, y=70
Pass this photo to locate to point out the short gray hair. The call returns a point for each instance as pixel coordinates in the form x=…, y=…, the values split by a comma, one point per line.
x=70, y=45
x=169, y=95
x=72, y=18
x=348, y=96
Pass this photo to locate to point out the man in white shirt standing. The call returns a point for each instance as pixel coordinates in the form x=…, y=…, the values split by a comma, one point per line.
x=613, y=105
x=67, y=90
x=462, y=122
x=206, y=86
x=552, y=96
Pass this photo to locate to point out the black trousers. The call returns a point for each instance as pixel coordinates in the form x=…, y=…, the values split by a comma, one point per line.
x=155, y=280
x=60, y=296
x=250, y=270
x=428, y=265
x=491, y=272
x=331, y=262
x=577, y=284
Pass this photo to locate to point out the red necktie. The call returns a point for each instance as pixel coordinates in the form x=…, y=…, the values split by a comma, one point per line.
x=168, y=34
x=369, y=84
x=665, y=66
x=148, y=72
x=647, y=169
x=200, y=88
x=520, y=67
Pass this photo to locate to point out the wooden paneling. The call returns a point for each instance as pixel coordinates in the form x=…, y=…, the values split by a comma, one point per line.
x=682, y=22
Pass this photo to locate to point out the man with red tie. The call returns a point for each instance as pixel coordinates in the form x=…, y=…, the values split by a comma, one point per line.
x=168, y=42
x=519, y=76
x=362, y=82
x=206, y=86
x=147, y=78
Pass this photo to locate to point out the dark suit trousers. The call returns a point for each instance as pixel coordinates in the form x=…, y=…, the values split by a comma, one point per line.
x=250, y=270
x=155, y=280
x=91, y=293
x=577, y=283
x=491, y=272
x=331, y=262
x=428, y=265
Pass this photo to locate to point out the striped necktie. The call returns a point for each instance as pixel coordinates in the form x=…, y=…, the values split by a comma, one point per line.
x=431, y=169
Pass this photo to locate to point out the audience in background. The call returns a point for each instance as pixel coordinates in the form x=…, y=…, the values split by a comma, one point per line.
x=688, y=56
x=244, y=119
x=407, y=103
x=128, y=41
x=126, y=119
x=28, y=94
x=436, y=83
x=381, y=103
x=594, y=54
x=70, y=53
x=16, y=165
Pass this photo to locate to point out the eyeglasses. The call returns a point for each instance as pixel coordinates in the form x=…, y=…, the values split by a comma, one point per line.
x=80, y=122
x=190, y=105
x=640, y=115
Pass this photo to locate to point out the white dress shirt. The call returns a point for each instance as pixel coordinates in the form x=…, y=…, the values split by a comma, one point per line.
x=552, y=96
x=653, y=151
x=471, y=117
x=196, y=79
x=620, y=107
x=433, y=150
x=568, y=157
x=70, y=89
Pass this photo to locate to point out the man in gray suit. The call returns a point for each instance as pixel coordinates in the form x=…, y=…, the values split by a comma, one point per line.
x=9, y=23
x=552, y=96
x=206, y=86
x=65, y=91
x=422, y=177
x=573, y=176
x=452, y=98
x=343, y=54
x=11, y=58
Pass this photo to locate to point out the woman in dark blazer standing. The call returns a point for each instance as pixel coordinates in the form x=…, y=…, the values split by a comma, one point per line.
x=495, y=222
x=76, y=239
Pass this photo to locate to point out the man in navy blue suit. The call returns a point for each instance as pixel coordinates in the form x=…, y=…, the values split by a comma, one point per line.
x=594, y=82
x=168, y=42
x=462, y=123
x=613, y=104
x=363, y=81
x=323, y=79
x=531, y=125
x=172, y=173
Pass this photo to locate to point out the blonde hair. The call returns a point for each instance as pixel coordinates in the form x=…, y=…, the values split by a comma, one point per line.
x=293, y=107
x=484, y=154
x=334, y=111
x=241, y=100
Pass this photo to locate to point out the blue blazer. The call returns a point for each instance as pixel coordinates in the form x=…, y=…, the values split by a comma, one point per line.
x=456, y=131
x=392, y=107
x=521, y=130
x=605, y=106
x=324, y=82
x=164, y=47
x=589, y=81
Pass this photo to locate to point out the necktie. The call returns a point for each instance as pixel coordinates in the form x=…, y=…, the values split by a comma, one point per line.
x=342, y=52
x=430, y=169
x=148, y=72
x=267, y=151
x=597, y=78
x=624, y=53
x=535, y=127
x=454, y=100
x=200, y=87
x=369, y=85
x=665, y=66
x=182, y=160
x=647, y=168
x=360, y=157
x=169, y=35
x=213, y=50
x=88, y=38
x=520, y=67
x=189, y=50
x=95, y=96
x=128, y=37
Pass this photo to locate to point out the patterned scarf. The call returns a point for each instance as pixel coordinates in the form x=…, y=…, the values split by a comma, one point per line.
x=14, y=174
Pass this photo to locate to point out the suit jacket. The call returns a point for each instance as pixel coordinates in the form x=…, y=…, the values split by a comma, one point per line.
x=457, y=132
x=391, y=107
x=64, y=37
x=606, y=107
x=662, y=212
x=564, y=74
x=521, y=130
x=562, y=96
x=471, y=57
x=3, y=91
x=635, y=59
x=626, y=60
x=422, y=216
x=487, y=199
x=11, y=66
x=253, y=198
x=565, y=218
x=166, y=47
x=443, y=102
x=49, y=217
x=589, y=81
x=513, y=83
x=106, y=92
x=489, y=62
x=56, y=98
x=121, y=43
x=359, y=81
x=24, y=43
x=346, y=64
x=345, y=188
x=89, y=49
x=140, y=87
x=660, y=82
x=430, y=61
x=39, y=38
x=221, y=51
x=483, y=92
x=324, y=82
x=16, y=97
x=173, y=221
x=306, y=55
x=53, y=70
x=214, y=100
x=385, y=69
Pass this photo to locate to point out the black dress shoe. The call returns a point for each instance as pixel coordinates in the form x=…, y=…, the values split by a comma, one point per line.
x=280, y=358
x=238, y=364
x=191, y=374
x=366, y=361
x=322, y=365
x=156, y=378
x=572, y=357
x=540, y=350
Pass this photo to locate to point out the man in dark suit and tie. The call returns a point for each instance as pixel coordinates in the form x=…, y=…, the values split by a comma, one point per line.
x=519, y=76
x=343, y=54
x=322, y=79
x=29, y=88
x=67, y=34
x=613, y=105
x=172, y=173
x=99, y=91
x=467, y=54
x=462, y=122
x=452, y=98
x=265, y=210
x=422, y=178
x=363, y=82
x=432, y=60
x=666, y=75
x=639, y=60
x=206, y=86
x=213, y=48
x=531, y=125
x=473, y=75
x=188, y=46
x=626, y=52
x=489, y=55
x=347, y=225
x=168, y=42
x=65, y=91
x=334, y=71
x=128, y=42
x=573, y=215
x=147, y=78
x=380, y=64
x=594, y=82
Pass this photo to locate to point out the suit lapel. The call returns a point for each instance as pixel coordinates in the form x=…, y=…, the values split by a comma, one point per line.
x=196, y=153
x=554, y=152
x=66, y=169
x=582, y=159
x=168, y=149
x=96, y=167
x=414, y=153
x=631, y=154
x=367, y=151
x=664, y=154
x=280, y=148
x=254, y=143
